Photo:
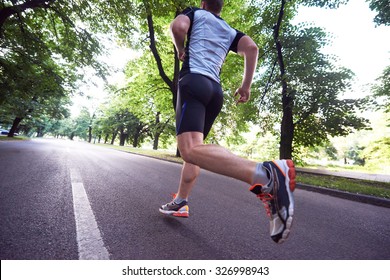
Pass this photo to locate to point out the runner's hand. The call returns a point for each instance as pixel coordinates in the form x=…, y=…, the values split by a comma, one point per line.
x=244, y=95
x=182, y=54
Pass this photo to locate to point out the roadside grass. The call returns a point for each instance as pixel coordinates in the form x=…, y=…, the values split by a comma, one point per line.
x=15, y=138
x=373, y=188
x=353, y=168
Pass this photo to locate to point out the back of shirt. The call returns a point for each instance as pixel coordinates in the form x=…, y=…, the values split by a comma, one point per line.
x=209, y=40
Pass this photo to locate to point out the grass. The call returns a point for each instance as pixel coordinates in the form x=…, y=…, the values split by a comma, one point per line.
x=373, y=188
x=15, y=138
x=378, y=189
x=352, y=168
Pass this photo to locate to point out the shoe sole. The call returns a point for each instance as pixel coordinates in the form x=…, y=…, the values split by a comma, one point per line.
x=290, y=187
x=181, y=214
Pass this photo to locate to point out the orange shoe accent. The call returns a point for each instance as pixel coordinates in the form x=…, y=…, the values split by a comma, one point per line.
x=291, y=174
x=181, y=215
x=265, y=198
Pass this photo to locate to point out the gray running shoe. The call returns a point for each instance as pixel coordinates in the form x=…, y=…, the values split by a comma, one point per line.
x=177, y=210
x=277, y=197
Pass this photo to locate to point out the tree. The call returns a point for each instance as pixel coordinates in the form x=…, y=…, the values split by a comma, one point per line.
x=40, y=90
x=309, y=82
x=43, y=47
x=382, y=90
x=149, y=98
x=8, y=10
x=382, y=7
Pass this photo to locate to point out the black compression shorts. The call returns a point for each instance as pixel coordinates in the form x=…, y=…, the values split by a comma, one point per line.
x=199, y=102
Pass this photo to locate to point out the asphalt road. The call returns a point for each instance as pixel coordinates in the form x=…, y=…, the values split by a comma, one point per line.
x=45, y=213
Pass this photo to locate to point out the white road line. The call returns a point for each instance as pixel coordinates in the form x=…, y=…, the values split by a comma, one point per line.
x=89, y=240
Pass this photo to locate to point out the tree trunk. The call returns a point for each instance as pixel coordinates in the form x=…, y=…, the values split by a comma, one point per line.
x=15, y=125
x=155, y=140
x=89, y=134
x=287, y=125
x=136, y=138
x=113, y=137
x=286, y=129
x=157, y=132
x=40, y=132
x=122, y=138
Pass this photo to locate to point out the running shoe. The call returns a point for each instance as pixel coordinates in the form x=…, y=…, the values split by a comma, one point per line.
x=277, y=197
x=177, y=210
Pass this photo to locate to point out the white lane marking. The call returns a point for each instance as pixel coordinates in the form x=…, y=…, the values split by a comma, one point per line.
x=89, y=240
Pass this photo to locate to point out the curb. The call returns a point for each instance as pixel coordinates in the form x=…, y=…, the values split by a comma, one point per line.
x=377, y=201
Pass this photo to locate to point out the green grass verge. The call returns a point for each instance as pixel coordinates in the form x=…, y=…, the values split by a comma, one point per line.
x=378, y=189
x=373, y=188
x=15, y=138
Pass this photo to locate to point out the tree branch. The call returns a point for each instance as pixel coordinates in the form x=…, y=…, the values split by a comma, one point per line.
x=279, y=48
x=6, y=12
x=155, y=51
x=268, y=83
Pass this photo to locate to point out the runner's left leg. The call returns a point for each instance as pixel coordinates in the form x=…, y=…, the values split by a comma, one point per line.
x=189, y=174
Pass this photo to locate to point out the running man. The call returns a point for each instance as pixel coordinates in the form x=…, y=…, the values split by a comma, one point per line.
x=208, y=40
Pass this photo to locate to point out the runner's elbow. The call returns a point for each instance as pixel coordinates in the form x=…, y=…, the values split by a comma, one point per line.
x=252, y=49
x=179, y=26
x=247, y=46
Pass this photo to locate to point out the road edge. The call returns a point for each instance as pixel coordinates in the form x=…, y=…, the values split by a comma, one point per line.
x=377, y=201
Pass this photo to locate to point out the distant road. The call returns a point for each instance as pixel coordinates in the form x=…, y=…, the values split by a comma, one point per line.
x=69, y=200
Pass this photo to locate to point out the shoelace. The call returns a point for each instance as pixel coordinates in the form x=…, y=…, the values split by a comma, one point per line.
x=266, y=198
x=172, y=203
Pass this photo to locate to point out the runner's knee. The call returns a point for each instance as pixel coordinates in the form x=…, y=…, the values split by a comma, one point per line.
x=187, y=154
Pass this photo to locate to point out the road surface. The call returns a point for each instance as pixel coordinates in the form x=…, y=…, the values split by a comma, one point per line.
x=69, y=200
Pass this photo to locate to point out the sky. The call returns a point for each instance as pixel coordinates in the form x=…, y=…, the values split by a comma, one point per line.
x=357, y=42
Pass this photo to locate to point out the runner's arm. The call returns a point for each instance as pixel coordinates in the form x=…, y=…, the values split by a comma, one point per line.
x=179, y=28
x=248, y=49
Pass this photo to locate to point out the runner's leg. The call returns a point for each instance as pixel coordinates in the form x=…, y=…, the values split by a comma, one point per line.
x=214, y=158
x=188, y=178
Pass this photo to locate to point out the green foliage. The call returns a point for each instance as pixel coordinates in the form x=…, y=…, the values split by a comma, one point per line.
x=331, y=152
x=382, y=91
x=314, y=81
x=354, y=153
x=377, y=154
x=43, y=46
x=382, y=7
x=331, y=4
